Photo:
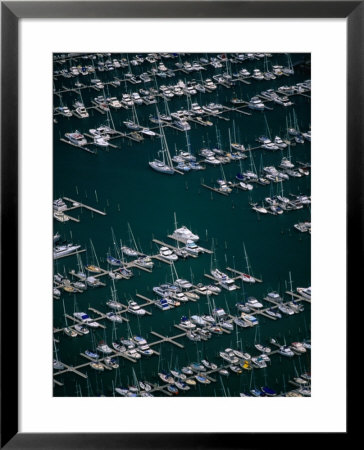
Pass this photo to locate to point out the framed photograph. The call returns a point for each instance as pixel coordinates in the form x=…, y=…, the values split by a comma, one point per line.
x=157, y=201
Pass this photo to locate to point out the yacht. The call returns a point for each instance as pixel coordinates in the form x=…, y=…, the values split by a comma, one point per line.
x=86, y=319
x=279, y=142
x=229, y=356
x=145, y=261
x=183, y=284
x=257, y=74
x=161, y=166
x=247, y=278
x=253, y=303
x=162, y=304
x=80, y=110
x=101, y=103
x=134, y=308
x=96, y=83
x=250, y=319
x=104, y=348
x=113, y=102
x=129, y=251
x=76, y=138
x=58, y=365
x=182, y=125
x=114, y=305
x=256, y=103
x=113, y=317
x=70, y=332
x=62, y=250
x=285, y=351
x=298, y=347
x=64, y=111
x=285, y=310
x=187, y=324
x=184, y=234
x=304, y=292
x=91, y=354
x=166, y=253
x=274, y=296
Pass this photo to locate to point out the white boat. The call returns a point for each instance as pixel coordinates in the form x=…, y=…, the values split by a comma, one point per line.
x=86, y=319
x=256, y=103
x=113, y=102
x=298, y=347
x=305, y=292
x=250, y=319
x=76, y=138
x=253, y=302
x=187, y=324
x=184, y=234
x=104, y=348
x=62, y=250
x=64, y=111
x=183, y=284
x=167, y=254
x=285, y=351
x=134, y=308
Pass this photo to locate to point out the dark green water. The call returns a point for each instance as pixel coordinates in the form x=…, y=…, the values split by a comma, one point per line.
x=120, y=182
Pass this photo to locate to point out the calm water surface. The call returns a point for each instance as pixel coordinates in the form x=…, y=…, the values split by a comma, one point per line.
x=120, y=182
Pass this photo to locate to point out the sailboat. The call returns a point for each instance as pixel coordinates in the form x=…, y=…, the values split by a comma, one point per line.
x=133, y=124
x=288, y=70
x=57, y=364
x=164, y=166
x=92, y=267
x=223, y=186
x=129, y=251
x=246, y=276
x=68, y=330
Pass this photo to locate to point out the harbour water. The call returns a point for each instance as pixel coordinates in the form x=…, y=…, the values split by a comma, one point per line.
x=119, y=182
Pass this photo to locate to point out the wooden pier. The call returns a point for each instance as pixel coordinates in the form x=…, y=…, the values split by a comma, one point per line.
x=78, y=146
x=76, y=204
x=215, y=189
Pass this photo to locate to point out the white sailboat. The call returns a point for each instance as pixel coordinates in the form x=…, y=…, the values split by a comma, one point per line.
x=165, y=165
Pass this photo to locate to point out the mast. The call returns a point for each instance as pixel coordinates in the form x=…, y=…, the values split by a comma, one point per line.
x=131, y=235
x=94, y=253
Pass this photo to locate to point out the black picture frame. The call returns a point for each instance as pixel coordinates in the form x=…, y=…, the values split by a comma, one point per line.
x=11, y=12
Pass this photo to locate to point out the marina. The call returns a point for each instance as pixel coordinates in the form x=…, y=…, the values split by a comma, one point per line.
x=130, y=307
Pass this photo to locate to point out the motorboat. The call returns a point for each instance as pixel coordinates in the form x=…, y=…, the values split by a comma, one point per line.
x=111, y=362
x=285, y=351
x=240, y=323
x=64, y=111
x=162, y=304
x=145, y=261
x=274, y=296
x=134, y=308
x=285, y=309
x=167, y=253
x=256, y=103
x=250, y=319
x=187, y=324
x=298, y=347
x=184, y=234
x=92, y=354
x=113, y=317
x=86, y=319
x=304, y=292
x=63, y=250
x=253, y=303
x=183, y=284
x=104, y=348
